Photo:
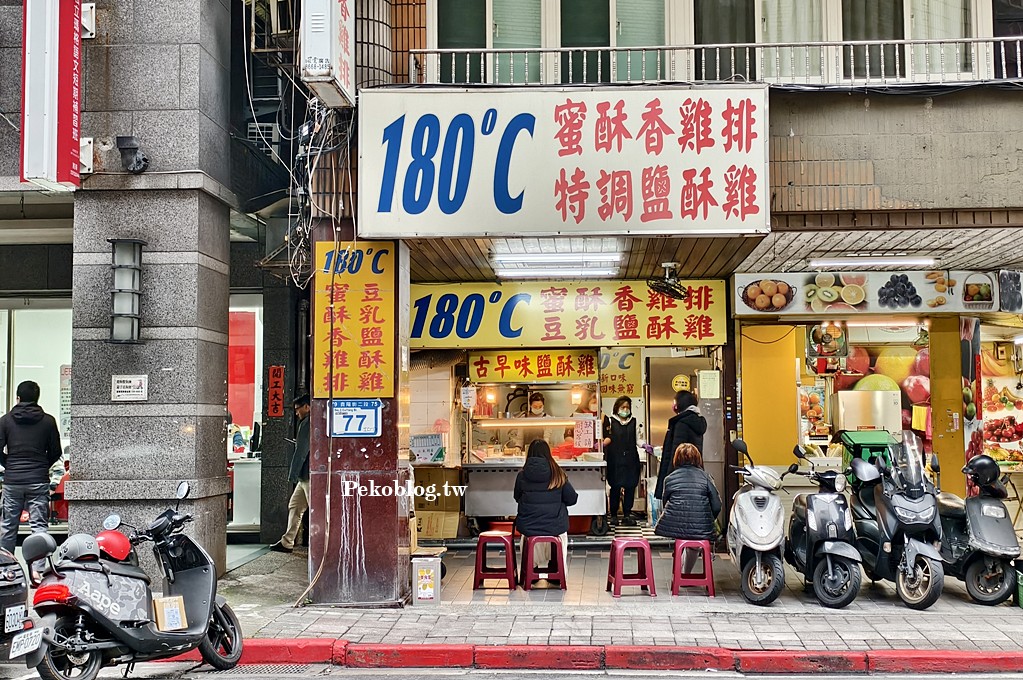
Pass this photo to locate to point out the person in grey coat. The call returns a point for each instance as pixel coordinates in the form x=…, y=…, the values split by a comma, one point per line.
x=691, y=501
x=298, y=475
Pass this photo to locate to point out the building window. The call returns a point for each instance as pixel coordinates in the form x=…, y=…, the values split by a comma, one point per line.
x=461, y=24
x=725, y=22
x=873, y=20
x=640, y=23
x=1007, y=16
x=585, y=23
x=792, y=21
x=516, y=26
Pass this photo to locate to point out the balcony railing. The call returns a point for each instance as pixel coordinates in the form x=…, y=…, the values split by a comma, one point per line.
x=859, y=63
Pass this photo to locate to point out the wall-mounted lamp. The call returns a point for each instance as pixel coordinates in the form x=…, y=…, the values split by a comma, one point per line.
x=126, y=292
x=577, y=396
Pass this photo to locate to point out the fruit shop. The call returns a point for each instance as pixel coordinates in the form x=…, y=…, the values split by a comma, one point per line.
x=933, y=351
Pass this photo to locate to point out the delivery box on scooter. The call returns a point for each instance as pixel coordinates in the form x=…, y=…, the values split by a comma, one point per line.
x=866, y=445
x=170, y=613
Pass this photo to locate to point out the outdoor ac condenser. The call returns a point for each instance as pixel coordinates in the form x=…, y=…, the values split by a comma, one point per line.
x=327, y=45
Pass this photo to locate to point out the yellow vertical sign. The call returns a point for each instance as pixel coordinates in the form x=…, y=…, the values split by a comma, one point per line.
x=621, y=371
x=354, y=351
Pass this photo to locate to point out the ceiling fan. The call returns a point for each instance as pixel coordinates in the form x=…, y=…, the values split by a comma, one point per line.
x=669, y=285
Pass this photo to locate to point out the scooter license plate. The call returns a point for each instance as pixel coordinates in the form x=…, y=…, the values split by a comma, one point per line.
x=26, y=642
x=14, y=618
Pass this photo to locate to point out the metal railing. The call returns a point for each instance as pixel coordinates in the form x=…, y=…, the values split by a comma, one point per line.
x=854, y=63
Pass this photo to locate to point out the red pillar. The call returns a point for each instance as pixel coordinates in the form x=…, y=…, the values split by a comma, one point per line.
x=359, y=544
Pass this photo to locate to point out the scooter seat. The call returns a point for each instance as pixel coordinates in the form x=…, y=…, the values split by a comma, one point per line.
x=950, y=505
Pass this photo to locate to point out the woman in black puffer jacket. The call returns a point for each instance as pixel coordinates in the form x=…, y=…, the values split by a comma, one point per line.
x=543, y=493
x=687, y=426
x=691, y=501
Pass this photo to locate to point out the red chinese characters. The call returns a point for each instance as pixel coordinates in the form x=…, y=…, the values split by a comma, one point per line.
x=698, y=327
x=739, y=122
x=697, y=197
x=625, y=299
x=481, y=365
x=275, y=392
x=626, y=327
x=570, y=116
x=654, y=128
x=589, y=298
x=553, y=302
x=656, y=194
x=700, y=298
x=741, y=188
x=696, y=134
x=615, y=194
x=571, y=193
x=544, y=367
x=661, y=328
x=610, y=131
x=586, y=328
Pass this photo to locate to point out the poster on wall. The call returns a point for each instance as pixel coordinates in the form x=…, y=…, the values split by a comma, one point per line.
x=903, y=368
x=65, y=401
x=972, y=373
x=1001, y=402
x=621, y=372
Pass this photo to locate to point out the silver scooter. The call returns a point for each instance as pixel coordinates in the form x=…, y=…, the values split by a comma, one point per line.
x=756, y=530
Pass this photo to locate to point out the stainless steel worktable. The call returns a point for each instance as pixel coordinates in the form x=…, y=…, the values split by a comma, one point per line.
x=491, y=487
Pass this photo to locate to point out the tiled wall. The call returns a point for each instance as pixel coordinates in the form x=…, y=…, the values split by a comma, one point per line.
x=433, y=408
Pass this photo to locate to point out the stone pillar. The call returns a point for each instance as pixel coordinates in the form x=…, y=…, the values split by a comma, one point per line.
x=158, y=71
x=359, y=546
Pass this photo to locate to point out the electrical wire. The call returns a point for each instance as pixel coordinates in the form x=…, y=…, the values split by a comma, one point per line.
x=9, y=121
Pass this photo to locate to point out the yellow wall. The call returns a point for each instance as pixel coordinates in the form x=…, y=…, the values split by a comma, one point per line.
x=947, y=399
x=770, y=400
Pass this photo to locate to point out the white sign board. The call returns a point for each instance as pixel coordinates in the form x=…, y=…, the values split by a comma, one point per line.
x=328, y=44
x=457, y=162
x=584, y=434
x=356, y=417
x=129, y=388
x=428, y=448
x=65, y=401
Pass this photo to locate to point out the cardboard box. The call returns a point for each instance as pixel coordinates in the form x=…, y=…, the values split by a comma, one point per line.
x=435, y=525
x=437, y=477
x=170, y=613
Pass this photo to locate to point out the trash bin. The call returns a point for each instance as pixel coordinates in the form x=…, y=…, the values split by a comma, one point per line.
x=426, y=575
x=1019, y=582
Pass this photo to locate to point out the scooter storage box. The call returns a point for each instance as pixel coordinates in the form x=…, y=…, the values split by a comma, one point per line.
x=865, y=444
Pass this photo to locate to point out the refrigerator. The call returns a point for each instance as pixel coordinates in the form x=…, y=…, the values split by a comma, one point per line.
x=866, y=411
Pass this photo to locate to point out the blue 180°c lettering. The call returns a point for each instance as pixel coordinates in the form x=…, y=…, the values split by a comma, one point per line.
x=448, y=177
x=463, y=317
x=350, y=260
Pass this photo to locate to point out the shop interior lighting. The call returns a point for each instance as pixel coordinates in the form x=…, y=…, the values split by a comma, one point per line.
x=872, y=261
x=577, y=396
x=887, y=324
x=495, y=423
x=490, y=396
x=554, y=258
x=126, y=290
x=541, y=273
x=1018, y=339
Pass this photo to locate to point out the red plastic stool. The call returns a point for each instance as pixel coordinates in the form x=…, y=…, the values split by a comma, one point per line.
x=530, y=573
x=704, y=580
x=483, y=572
x=616, y=576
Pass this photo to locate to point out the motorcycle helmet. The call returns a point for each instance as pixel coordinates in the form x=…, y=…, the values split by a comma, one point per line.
x=114, y=544
x=982, y=469
x=78, y=547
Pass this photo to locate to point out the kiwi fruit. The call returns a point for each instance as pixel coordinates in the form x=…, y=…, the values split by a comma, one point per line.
x=828, y=294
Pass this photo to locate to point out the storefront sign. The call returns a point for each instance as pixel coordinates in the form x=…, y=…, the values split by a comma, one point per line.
x=353, y=323
x=841, y=293
x=621, y=372
x=328, y=40
x=566, y=313
x=499, y=161
x=584, y=434
x=428, y=448
x=129, y=388
x=532, y=366
x=65, y=400
x=275, y=392
x=355, y=417
x=680, y=383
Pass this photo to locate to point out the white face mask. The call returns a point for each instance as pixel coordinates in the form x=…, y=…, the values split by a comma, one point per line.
x=593, y=407
x=536, y=411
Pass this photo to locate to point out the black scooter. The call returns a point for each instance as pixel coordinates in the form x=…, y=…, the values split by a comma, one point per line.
x=98, y=612
x=897, y=525
x=978, y=538
x=821, y=543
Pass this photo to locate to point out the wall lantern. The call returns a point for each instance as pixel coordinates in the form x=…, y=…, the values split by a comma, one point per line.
x=126, y=292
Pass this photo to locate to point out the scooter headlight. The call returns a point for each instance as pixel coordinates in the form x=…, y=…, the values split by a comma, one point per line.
x=840, y=483
x=911, y=517
x=995, y=511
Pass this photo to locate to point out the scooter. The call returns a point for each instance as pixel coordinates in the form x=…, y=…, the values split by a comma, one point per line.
x=821, y=544
x=896, y=520
x=979, y=542
x=96, y=612
x=756, y=529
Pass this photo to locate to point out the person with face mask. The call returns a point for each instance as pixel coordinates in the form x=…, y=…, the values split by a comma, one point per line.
x=687, y=426
x=622, y=455
x=536, y=409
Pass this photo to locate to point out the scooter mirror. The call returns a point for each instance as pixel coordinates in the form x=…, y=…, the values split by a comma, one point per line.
x=182, y=491
x=793, y=468
x=740, y=446
x=798, y=452
x=112, y=522
x=935, y=466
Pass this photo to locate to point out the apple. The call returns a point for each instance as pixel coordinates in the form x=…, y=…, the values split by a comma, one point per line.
x=917, y=388
x=922, y=364
x=858, y=361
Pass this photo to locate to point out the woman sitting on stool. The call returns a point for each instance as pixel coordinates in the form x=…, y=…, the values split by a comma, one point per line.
x=543, y=493
x=691, y=501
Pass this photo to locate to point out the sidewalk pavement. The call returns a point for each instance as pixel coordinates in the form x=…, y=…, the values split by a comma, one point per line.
x=585, y=627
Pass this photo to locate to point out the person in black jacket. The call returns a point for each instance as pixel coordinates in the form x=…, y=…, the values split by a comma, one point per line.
x=544, y=494
x=29, y=446
x=298, y=474
x=622, y=456
x=691, y=501
x=687, y=426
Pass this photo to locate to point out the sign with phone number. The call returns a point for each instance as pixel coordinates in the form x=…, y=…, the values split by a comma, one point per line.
x=540, y=314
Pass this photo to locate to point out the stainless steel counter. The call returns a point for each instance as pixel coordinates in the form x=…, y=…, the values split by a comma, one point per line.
x=491, y=486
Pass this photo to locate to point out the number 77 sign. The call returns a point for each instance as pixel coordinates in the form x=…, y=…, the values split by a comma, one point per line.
x=355, y=417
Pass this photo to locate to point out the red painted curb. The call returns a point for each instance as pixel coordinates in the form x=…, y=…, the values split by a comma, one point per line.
x=339, y=653
x=943, y=661
x=409, y=656
x=652, y=658
x=800, y=662
x=566, y=657
x=278, y=651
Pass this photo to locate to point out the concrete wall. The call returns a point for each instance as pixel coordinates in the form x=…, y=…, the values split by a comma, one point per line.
x=10, y=87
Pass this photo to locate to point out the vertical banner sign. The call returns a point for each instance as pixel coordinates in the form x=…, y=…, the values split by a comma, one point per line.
x=51, y=93
x=328, y=40
x=275, y=392
x=354, y=345
x=65, y=400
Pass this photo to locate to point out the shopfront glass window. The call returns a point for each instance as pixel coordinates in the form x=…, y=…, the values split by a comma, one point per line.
x=245, y=406
x=725, y=23
x=792, y=21
x=873, y=20
x=40, y=351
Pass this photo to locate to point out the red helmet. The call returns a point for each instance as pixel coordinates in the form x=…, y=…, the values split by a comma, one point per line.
x=114, y=544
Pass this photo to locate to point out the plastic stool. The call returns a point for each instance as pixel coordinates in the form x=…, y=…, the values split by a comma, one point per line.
x=529, y=572
x=704, y=580
x=483, y=572
x=616, y=576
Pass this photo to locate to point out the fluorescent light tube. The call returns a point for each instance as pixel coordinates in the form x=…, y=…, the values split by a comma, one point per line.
x=540, y=273
x=826, y=262
x=529, y=258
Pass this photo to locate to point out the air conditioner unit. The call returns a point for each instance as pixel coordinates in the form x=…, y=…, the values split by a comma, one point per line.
x=266, y=136
x=328, y=50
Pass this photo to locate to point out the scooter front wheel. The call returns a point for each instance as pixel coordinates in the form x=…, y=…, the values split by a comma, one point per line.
x=59, y=664
x=222, y=646
x=764, y=588
x=990, y=584
x=923, y=588
x=841, y=587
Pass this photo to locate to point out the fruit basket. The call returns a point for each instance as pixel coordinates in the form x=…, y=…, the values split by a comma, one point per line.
x=759, y=297
x=977, y=292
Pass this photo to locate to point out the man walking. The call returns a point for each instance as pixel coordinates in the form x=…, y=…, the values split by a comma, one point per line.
x=29, y=446
x=298, y=475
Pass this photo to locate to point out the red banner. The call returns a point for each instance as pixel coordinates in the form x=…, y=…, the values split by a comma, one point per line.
x=275, y=392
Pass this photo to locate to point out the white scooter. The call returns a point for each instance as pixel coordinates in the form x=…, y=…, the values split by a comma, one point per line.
x=756, y=531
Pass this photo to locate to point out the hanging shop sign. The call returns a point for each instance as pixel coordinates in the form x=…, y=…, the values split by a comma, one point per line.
x=841, y=293
x=567, y=313
x=65, y=400
x=327, y=44
x=275, y=392
x=531, y=366
x=494, y=161
x=621, y=372
x=353, y=320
